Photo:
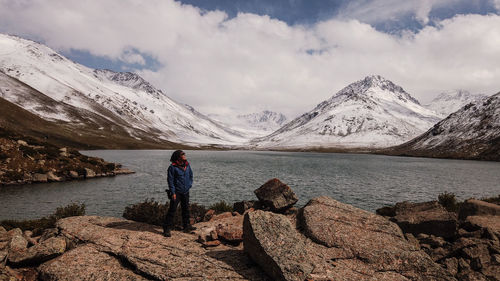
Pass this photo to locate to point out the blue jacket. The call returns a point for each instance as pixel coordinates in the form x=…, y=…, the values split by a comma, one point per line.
x=180, y=180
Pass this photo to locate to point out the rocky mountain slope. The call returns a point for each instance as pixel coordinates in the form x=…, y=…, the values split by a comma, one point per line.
x=373, y=112
x=71, y=93
x=93, y=131
x=448, y=102
x=473, y=132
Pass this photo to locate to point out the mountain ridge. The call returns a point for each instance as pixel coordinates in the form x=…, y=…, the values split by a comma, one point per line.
x=373, y=104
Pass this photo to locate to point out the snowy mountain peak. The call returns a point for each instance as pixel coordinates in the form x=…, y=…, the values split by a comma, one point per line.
x=372, y=112
x=267, y=118
x=379, y=87
x=128, y=79
x=448, y=102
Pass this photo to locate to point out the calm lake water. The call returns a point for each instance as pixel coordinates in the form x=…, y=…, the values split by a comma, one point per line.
x=365, y=181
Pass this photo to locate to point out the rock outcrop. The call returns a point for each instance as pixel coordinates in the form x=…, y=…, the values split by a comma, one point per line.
x=141, y=249
x=426, y=217
x=473, y=207
x=472, y=252
x=272, y=242
x=358, y=245
x=276, y=195
x=25, y=160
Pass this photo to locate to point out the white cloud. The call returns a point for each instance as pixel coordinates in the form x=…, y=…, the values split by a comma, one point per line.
x=252, y=62
x=382, y=10
x=132, y=58
x=496, y=3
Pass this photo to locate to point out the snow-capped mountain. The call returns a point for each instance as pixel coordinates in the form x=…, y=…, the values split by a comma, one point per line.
x=373, y=112
x=266, y=120
x=124, y=99
x=473, y=132
x=448, y=102
x=257, y=124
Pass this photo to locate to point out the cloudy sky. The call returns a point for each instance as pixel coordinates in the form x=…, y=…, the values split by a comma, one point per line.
x=226, y=56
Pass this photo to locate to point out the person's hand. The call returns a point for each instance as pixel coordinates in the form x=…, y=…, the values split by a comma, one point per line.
x=174, y=196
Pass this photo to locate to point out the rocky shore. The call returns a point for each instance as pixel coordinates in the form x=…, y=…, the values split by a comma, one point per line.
x=25, y=161
x=268, y=239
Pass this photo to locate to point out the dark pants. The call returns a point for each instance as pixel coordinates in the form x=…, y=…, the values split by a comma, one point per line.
x=169, y=217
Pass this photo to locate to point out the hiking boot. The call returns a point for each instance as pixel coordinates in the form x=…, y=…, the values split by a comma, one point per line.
x=166, y=233
x=188, y=228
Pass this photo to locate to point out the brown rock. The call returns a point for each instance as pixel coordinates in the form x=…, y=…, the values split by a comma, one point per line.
x=473, y=207
x=491, y=272
x=412, y=240
x=222, y=216
x=213, y=243
x=451, y=265
x=273, y=243
x=482, y=222
x=73, y=174
x=3, y=255
x=123, y=171
x=89, y=173
x=433, y=241
x=231, y=230
x=39, y=253
x=48, y=233
x=86, y=263
x=52, y=177
x=438, y=254
x=40, y=177
x=18, y=243
x=357, y=239
x=276, y=195
x=242, y=206
x=209, y=215
x=143, y=248
x=478, y=255
x=427, y=217
x=463, y=264
x=464, y=233
x=470, y=275
x=2, y=230
x=205, y=233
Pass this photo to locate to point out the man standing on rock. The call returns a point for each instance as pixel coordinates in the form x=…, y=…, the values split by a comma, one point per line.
x=180, y=180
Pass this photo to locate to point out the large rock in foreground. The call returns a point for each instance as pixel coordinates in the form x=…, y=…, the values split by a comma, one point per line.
x=276, y=195
x=86, y=263
x=358, y=245
x=427, y=217
x=130, y=249
x=273, y=243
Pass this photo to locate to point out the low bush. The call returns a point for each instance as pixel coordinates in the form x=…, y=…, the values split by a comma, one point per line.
x=39, y=225
x=152, y=212
x=221, y=207
x=448, y=201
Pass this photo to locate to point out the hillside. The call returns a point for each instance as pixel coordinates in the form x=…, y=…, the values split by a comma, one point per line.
x=473, y=132
x=113, y=102
x=94, y=131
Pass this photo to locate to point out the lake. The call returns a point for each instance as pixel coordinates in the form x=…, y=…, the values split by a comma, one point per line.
x=365, y=181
